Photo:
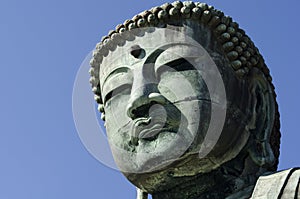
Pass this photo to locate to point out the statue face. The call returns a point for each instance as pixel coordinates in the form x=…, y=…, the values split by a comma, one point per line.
x=160, y=91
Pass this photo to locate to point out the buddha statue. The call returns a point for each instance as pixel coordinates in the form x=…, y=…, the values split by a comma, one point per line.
x=189, y=106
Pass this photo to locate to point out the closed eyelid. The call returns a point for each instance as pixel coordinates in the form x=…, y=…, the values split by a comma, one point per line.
x=116, y=91
x=177, y=52
x=180, y=64
x=115, y=82
x=116, y=71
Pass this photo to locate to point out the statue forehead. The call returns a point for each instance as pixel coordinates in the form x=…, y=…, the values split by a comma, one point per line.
x=176, y=43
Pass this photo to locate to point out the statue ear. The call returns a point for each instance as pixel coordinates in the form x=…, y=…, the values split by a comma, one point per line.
x=262, y=111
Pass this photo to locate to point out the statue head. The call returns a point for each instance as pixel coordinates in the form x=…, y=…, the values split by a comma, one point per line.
x=184, y=92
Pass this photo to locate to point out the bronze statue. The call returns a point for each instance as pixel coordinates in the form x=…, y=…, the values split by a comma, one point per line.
x=189, y=106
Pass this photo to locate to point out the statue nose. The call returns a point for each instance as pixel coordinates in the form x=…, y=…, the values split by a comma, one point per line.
x=139, y=105
x=144, y=92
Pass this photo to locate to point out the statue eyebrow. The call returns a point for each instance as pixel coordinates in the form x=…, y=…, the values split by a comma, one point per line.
x=116, y=71
x=177, y=65
x=153, y=56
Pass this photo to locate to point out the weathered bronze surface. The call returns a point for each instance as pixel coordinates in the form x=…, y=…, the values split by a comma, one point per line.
x=156, y=80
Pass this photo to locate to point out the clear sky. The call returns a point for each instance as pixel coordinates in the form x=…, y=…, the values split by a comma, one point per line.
x=42, y=44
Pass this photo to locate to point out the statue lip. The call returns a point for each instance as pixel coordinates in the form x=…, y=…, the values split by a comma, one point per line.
x=158, y=119
x=147, y=129
x=150, y=133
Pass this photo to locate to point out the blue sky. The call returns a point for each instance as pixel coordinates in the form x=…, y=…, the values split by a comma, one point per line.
x=42, y=44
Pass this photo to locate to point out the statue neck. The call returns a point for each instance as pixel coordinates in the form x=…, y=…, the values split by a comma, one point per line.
x=221, y=183
x=209, y=186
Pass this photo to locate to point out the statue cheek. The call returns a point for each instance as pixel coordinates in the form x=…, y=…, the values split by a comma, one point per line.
x=195, y=118
x=183, y=85
x=115, y=114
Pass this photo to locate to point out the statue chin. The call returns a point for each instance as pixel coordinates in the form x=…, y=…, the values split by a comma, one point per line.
x=148, y=157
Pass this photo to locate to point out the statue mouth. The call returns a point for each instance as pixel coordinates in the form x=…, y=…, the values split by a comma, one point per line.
x=160, y=118
x=147, y=129
x=151, y=131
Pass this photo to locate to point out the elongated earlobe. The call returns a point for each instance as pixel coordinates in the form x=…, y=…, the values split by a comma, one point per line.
x=262, y=120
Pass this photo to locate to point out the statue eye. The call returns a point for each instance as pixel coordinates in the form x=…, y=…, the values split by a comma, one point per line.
x=116, y=84
x=174, y=66
x=122, y=89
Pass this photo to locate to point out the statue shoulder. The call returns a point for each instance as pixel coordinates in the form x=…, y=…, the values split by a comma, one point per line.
x=281, y=185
